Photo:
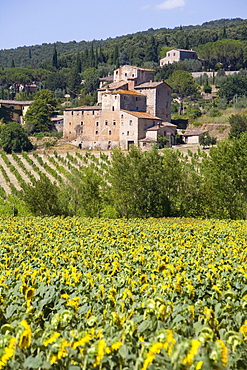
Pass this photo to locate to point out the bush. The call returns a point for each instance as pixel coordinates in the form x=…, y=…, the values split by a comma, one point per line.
x=214, y=112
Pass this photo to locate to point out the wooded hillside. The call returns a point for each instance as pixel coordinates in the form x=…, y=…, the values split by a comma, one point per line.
x=142, y=47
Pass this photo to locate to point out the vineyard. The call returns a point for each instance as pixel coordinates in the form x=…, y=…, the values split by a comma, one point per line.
x=16, y=170
x=81, y=293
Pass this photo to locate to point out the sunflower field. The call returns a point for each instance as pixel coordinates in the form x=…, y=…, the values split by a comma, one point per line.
x=84, y=293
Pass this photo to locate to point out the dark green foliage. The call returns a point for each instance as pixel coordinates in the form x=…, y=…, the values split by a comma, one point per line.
x=224, y=53
x=238, y=124
x=207, y=140
x=43, y=198
x=137, y=45
x=183, y=84
x=56, y=80
x=124, y=58
x=224, y=174
x=54, y=58
x=207, y=89
x=235, y=85
x=38, y=116
x=5, y=114
x=13, y=138
x=74, y=82
x=91, y=81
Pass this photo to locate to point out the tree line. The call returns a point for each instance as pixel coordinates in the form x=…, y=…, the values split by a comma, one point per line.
x=151, y=184
x=141, y=47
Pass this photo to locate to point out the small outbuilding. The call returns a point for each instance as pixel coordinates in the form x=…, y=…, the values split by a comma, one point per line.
x=193, y=136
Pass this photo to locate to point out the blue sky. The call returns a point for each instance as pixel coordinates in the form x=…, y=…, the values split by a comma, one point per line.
x=31, y=22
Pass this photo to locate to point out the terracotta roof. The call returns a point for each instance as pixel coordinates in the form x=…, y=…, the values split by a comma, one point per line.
x=114, y=86
x=162, y=125
x=188, y=51
x=168, y=124
x=19, y=102
x=151, y=84
x=107, y=78
x=85, y=107
x=124, y=92
x=194, y=132
x=142, y=115
x=148, y=84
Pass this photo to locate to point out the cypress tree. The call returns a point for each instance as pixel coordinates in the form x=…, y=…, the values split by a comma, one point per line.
x=115, y=55
x=92, y=57
x=78, y=63
x=54, y=58
x=96, y=58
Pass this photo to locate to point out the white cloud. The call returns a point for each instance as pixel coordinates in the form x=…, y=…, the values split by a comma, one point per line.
x=171, y=4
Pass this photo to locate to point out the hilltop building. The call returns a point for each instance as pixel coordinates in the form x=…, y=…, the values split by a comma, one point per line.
x=132, y=109
x=175, y=55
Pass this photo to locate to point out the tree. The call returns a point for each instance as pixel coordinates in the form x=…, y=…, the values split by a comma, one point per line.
x=74, y=82
x=183, y=84
x=207, y=140
x=235, y=85
x=115, y=58
x=43, y=198
x=91, y=81
x=147, y=184
x=238, y=124
x=207, y=89
x=54, y=58
x=56, y=80
x=38, y=115
x=224, y=176
x=124, y=58
x=13, y=138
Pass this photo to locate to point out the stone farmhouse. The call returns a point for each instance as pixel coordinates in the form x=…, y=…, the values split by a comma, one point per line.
x=175, y=55
x=133, y=109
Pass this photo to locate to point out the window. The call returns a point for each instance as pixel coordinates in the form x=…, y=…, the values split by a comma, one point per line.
x=125, y=74
x=97, y=123
x=174, y=54
x=81, y=123
x=130, y=122
x=115, y=96
x=69, y=132
x=93, y=112
x=70, y=123
x=136, y=108
x=136, y=98
x=112, y=109
x=122, y=123
x=106, y=123
x=109, y=132
x=114, y=123
x=121, y=116
x=168, y=54
x=128, y=133
x=72, y=113
x=144, y=144
x=96, y=132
